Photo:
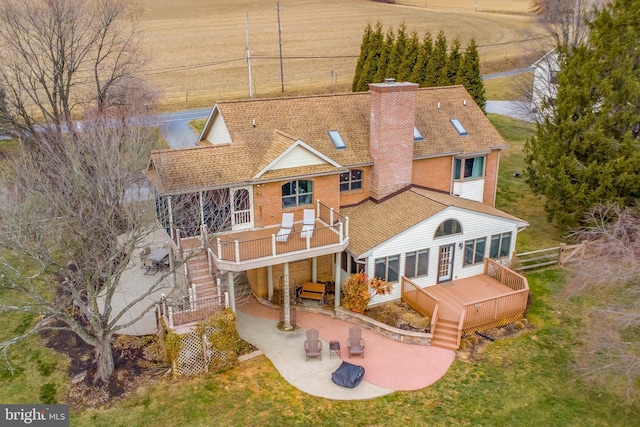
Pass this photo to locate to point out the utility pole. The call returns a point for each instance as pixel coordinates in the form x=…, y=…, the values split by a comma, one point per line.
x=249, y=61
x=280, y=43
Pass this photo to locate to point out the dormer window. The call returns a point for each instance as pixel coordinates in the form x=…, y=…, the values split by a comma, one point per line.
x=417, y=136
x=459, y=128
x=337, y=140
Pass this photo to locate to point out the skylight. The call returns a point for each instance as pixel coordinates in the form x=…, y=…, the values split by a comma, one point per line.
x=461, y=130
x=337, y=139
x=417, y=136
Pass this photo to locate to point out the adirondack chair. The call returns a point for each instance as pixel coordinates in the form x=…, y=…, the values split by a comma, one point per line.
x=355, y=342
x=313, y=345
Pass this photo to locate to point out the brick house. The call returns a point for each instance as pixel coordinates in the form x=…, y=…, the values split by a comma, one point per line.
x=401, y=180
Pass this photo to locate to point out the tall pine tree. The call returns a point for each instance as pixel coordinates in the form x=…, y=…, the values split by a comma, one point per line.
x=419, y=72
x=437, y=61
x=364, y=51
x=469, y=74
x=397, y=52
x=385, y=56
x=588, y=152
x=450, y=73
x=371, y=62
x=409, y=58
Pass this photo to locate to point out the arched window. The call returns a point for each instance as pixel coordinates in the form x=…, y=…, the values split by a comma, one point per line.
x=297, y=193
x=450, y=226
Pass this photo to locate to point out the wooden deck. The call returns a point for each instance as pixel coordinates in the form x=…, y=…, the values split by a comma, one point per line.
x=454, y=295
x=475, y=303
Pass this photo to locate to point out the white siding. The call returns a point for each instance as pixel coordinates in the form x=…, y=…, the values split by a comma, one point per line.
x=471, y=190
x=297, y=157
x=218, y=133
x=474, y=225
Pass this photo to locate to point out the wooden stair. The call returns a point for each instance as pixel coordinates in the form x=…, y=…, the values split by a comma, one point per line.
x=200, y=277
x=445, y=334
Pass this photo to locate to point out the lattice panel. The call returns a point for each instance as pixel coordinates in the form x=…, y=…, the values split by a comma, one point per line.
x=191, y=357
x=221, y=348
x=495, y=324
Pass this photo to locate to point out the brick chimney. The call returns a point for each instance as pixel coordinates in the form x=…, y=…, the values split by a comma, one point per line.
x=393, y=115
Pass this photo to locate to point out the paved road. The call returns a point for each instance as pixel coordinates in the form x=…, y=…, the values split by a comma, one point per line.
x=514, y=109
x=175, y=126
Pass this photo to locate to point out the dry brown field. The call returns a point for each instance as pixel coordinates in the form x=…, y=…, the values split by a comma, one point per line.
x=197, y=51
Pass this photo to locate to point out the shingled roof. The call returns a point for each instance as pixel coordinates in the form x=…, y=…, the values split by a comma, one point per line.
x=403, y=211
x=262, y=129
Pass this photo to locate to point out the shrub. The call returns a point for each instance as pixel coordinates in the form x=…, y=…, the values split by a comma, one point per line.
x=358, y=290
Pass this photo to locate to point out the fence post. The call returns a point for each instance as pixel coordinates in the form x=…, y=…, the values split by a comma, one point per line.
x=170, y=312
x=561, y=251
x=331, y=217
x=341, y=230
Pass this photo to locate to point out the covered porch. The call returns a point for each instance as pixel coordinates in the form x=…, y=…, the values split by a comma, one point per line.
x=492, y=299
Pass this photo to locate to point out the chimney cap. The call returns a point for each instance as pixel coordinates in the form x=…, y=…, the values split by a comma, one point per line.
x=389, y=80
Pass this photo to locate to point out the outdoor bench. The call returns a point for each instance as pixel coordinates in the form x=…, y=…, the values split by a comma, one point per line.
x=314, y=291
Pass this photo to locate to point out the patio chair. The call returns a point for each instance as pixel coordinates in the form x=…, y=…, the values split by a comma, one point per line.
x=355, y=342
x=313, y=345
x=150, y=264
x=308, y=223
x=143, y=254
x=285, y=227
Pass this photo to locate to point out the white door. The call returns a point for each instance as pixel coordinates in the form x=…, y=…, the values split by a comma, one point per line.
x=445, y=263
x=241, y=203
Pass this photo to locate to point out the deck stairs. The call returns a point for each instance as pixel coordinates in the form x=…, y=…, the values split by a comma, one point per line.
x=445, y=334
x=200, y=278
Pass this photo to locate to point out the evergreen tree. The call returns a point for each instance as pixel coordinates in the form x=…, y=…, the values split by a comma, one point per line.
x=450, y=73
x=588, y=152
x=469, y=74
x=397, y=52
x=409, y=58
x=371, y=62
x=437, y=61
x=364, y=51
x=383, y=61
x=419, y=72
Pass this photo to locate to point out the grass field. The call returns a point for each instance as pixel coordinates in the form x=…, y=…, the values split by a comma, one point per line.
x=197, y=48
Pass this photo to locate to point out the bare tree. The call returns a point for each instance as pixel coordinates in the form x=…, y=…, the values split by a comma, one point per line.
x=610, y=274
x=62, y=58
x=70, y=229
x=565, y=20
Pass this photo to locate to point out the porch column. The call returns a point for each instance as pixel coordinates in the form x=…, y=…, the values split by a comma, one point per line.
x=314, y=269
x=231, y=290
x=201, y=209
x=286, y=302
x=336, y=279
x=269, y=282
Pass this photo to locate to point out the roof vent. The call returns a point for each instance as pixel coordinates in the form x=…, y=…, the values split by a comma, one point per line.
x=464, y=102
x=438, y=105
x=390, y=80
x=253, y=122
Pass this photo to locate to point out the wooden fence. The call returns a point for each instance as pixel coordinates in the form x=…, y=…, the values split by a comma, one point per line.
x=560, y=255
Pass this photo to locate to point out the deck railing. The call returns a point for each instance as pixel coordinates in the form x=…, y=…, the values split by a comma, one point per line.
x=505, y=275
x=244, y=250
x=488, y=310
x=328, y=215
x=420, y=300
x=190, y=310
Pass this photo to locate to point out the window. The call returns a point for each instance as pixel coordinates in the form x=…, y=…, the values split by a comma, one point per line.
x=417, y=136
x=470, y=168
x=387, y=268
x=415, y=263
x=474, y=251
x=459, y=128
x=500, y=245
x=297, y=193
x=450, y=226
x=351, y=180
x=337, y=140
